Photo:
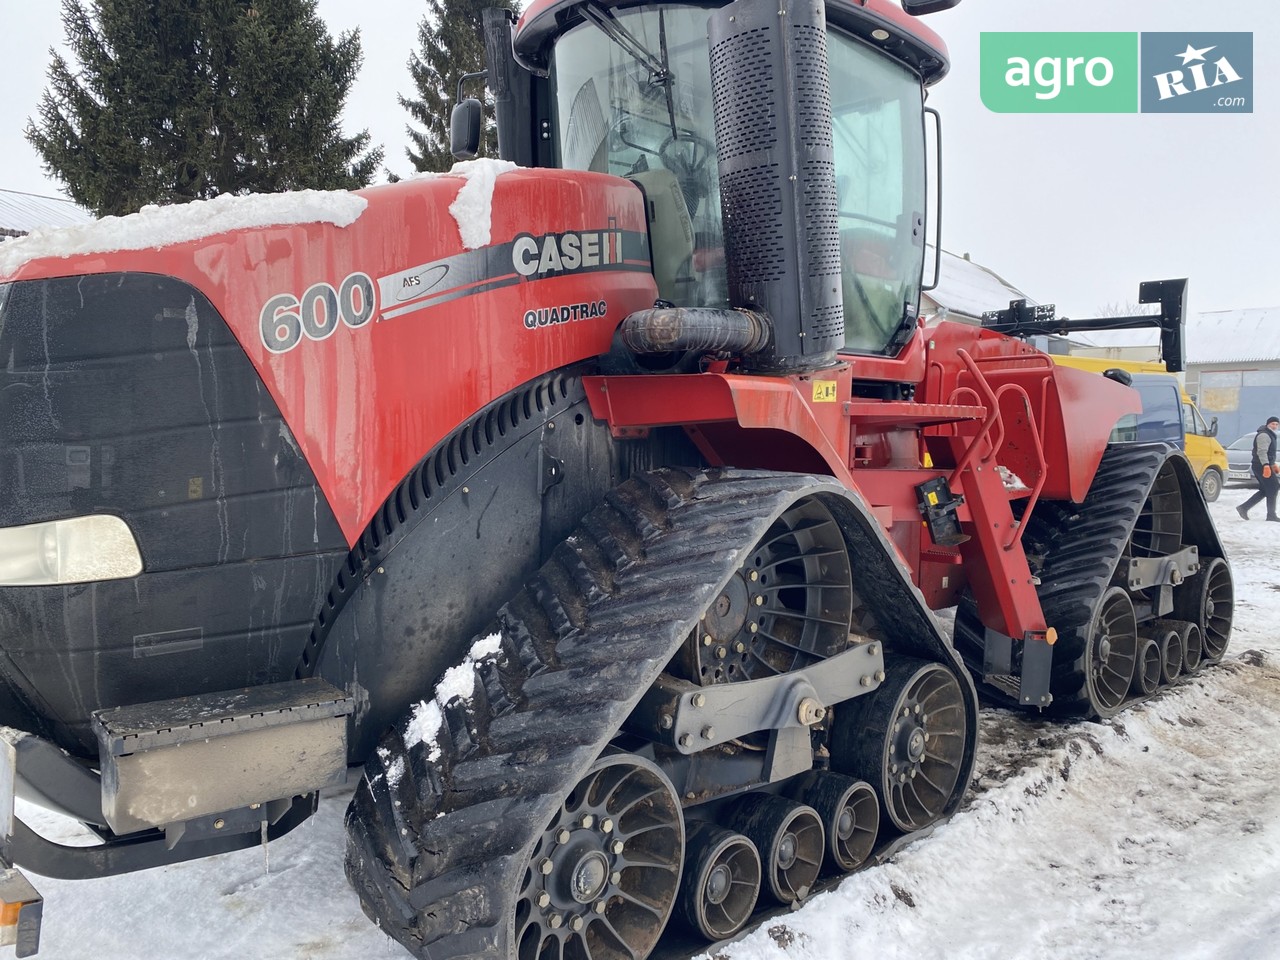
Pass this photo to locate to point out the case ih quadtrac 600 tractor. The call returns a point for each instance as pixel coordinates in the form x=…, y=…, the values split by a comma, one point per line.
x=598, y=515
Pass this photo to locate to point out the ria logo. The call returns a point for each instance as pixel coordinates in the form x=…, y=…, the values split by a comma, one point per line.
x=1197, y=73
x=1174, y=84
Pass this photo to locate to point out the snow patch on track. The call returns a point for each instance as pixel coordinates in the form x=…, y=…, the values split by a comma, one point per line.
x=457, y=682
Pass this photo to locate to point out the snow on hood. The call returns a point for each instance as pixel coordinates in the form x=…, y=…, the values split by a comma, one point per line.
x=473, y=208
x=156, y=226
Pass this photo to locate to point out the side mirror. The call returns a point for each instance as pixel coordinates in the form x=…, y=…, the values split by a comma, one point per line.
x=1213, y=427
x=918, y=8
x=465, y=124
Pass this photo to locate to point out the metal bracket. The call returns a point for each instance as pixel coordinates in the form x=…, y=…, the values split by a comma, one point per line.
x=1169, y=570
x=692, y=718
x=1037, y=666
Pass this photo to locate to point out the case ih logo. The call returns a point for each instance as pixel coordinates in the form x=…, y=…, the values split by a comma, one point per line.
x=1197, y=73
x=566, y=252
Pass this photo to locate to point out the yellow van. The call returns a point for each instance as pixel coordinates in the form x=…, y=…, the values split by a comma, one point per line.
x=1166, y=415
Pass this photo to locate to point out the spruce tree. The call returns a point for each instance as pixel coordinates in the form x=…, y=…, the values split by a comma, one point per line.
x=177, y=100
x=450, y=44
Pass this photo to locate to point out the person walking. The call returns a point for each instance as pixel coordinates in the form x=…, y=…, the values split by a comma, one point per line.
x=1265, y=470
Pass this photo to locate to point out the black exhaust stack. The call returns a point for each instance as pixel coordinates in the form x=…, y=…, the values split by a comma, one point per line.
x=777, y=176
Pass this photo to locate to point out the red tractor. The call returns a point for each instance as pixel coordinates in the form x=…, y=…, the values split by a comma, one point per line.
x=596, y=506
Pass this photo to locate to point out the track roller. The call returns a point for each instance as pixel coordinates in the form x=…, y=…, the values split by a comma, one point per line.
x=907, y=739
x=1192, y=646
x=1146, y=674
x=1208, y=601
x=721, y=881
x=790, y=839
x=1170, y=644
x=850, y=814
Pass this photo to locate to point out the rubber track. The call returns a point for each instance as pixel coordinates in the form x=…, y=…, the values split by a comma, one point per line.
x=1080, y=547
x=436, y=848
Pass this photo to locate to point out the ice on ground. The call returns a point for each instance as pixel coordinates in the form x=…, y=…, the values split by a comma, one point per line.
x=473, y=208
x=155, y=226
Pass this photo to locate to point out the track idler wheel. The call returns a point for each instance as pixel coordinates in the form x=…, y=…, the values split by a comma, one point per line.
x=908, y=739
x=721, y=881
x=1208, y=601
x=602, y=879
x=1112, y=652
x=790, y=839
x=1192, y=647
x=1146, y=674
x=850, y=814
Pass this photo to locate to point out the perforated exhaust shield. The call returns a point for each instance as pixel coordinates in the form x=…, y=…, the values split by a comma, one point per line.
x=777, y=175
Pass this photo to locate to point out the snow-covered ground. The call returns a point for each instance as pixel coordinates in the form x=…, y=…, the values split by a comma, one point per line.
x=1153, y=836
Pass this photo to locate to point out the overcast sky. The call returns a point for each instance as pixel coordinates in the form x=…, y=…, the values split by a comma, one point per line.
x=1074, y=209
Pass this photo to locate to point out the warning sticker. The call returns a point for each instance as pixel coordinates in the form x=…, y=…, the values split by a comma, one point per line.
x=824, y=391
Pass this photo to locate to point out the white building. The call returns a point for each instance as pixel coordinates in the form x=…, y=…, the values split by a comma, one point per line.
x=1233, y=366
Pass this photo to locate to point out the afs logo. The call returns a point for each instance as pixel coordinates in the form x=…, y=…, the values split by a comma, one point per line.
x=1197, y=73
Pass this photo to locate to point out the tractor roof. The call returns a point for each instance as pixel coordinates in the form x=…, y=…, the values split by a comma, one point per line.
x=909, y=40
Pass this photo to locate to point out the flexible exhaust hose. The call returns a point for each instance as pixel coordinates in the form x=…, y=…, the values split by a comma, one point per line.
x=708, y=329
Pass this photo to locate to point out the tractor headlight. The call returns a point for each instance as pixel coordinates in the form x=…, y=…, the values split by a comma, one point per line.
x=79, y=550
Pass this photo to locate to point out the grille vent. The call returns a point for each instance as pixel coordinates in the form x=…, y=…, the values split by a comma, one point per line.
x=777, y=175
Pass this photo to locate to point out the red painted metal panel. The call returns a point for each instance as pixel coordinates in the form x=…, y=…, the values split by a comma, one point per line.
x=366, y=403
x=755, y=403
x=1075, y=412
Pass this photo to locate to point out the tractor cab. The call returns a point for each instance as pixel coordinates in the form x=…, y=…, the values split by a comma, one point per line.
x=631, y=90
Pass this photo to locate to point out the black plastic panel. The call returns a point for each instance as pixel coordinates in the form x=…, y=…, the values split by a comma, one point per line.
x=127, y=394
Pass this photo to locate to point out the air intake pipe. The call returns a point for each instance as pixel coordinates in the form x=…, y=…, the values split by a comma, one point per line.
x=701, y=329
x=772, y=105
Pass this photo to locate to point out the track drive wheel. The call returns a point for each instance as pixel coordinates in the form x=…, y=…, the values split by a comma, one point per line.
x=1208, y=601
x=786, y=608
x=721, y=881
x=908, y=738
x=602, y=879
